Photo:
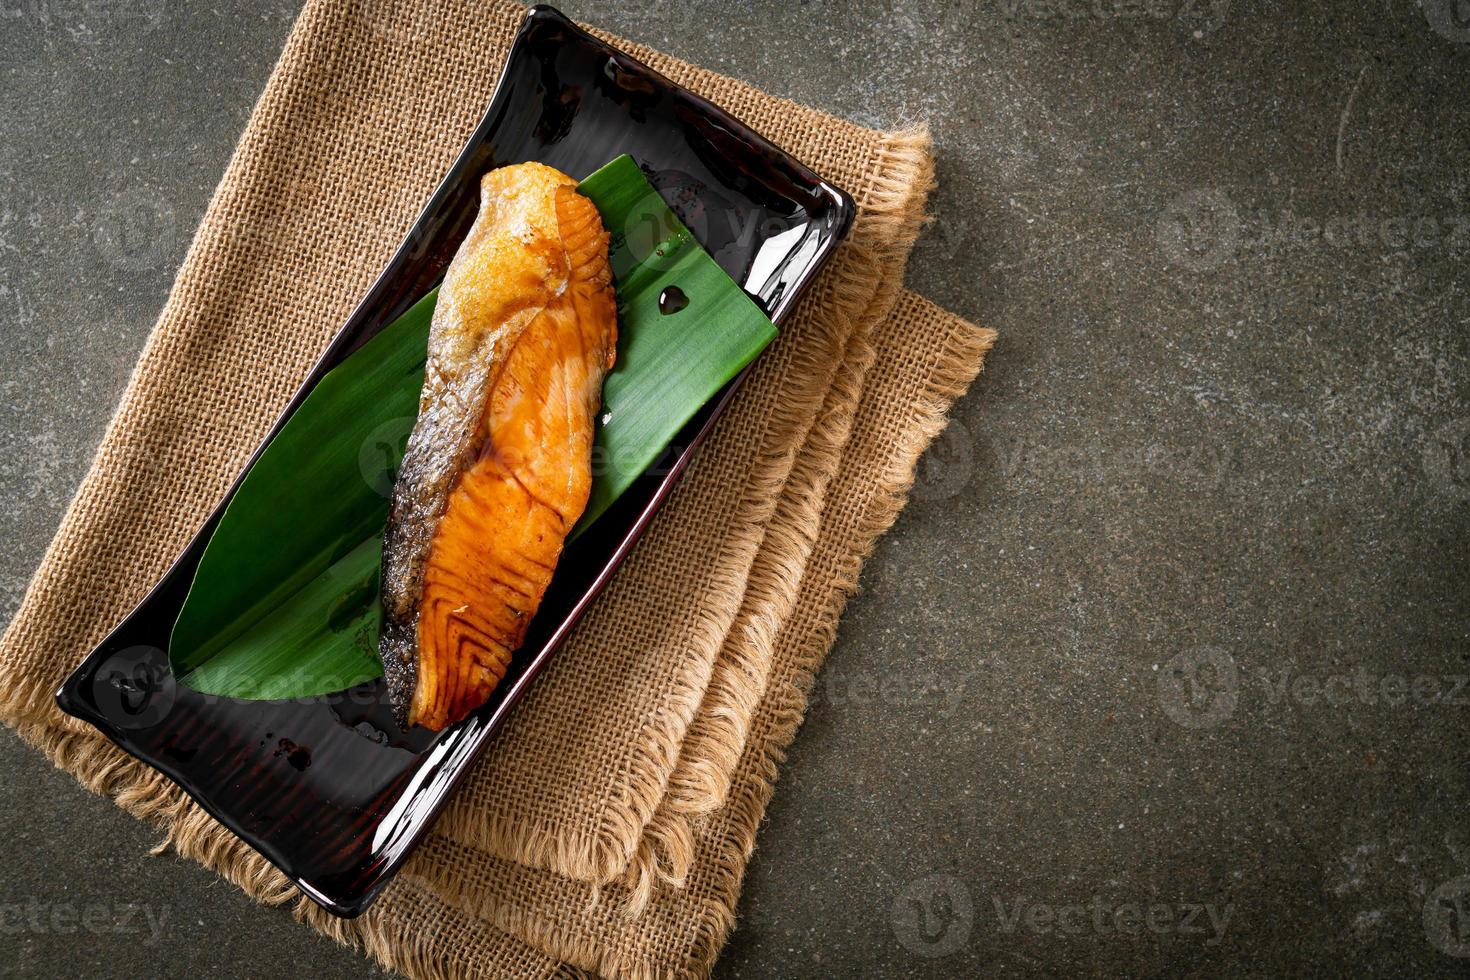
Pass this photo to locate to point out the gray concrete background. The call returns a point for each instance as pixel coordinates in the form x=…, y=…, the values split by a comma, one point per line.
x=1178, y=617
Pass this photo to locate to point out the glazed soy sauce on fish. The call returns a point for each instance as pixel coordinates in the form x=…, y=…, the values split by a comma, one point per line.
x=497, y=469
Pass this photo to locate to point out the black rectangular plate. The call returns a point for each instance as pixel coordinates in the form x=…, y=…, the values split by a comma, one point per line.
x=329, y=789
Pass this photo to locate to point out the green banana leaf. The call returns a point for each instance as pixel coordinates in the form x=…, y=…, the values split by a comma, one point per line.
x=284, y=603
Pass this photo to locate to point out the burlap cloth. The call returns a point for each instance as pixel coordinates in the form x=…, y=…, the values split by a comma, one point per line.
x=608, y=827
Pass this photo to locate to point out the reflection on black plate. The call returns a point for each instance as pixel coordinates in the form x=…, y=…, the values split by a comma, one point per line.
x=329, y=790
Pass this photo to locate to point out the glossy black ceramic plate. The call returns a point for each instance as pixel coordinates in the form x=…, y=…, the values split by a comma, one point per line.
x=329, y=789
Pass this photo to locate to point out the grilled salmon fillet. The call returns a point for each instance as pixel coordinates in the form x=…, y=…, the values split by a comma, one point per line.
x=498, y=466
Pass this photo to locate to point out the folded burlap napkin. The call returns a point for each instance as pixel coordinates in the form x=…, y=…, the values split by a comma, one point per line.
x=645, y=755
x=455, y=910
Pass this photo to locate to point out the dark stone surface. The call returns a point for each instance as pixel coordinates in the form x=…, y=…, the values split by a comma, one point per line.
x=1178, y=618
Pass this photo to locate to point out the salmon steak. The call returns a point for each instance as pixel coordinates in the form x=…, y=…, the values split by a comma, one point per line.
x=498, y=467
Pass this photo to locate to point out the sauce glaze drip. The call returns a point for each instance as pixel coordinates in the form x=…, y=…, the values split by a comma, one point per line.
x=672, y=300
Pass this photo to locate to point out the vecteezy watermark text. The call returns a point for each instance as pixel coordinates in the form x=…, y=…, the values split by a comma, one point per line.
x=1449, y=18
x=1101, y=917
x=1447, y=917
x=68, y=918
x=936, y=915
x=1201, y=687
x=957, y=458
x=898, y=688
x=1204, y=228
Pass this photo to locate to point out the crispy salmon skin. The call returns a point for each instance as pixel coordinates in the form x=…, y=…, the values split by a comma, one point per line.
x=498, y=466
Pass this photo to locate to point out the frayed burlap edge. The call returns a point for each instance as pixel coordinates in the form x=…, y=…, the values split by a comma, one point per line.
x=707, y=761
x=857, y=291
x=715, y=741
x=957, y=363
